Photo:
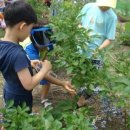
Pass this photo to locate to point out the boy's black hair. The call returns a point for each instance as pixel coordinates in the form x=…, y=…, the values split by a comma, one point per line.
x=17, y=12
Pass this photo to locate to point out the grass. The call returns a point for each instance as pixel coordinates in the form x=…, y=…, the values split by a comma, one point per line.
x=1, y=33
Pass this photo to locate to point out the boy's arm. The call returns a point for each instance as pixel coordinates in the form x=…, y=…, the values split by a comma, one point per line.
x=106, y=43
x=53, y=80
x=110, y=33
x=66, y=84
x=28, y=81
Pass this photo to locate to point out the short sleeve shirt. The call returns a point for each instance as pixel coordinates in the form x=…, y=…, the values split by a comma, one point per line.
x=13, y=59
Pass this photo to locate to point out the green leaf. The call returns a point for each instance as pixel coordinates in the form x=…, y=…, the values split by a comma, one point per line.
x=47, y=124
x=127, y=27
x=57, y=125
x=123, y=80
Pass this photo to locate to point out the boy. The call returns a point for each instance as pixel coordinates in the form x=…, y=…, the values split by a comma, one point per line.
x=14, y=64
x=101, y=19
x=40, y=44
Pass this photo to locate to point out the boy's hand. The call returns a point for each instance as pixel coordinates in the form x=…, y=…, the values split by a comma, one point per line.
x=68, y=86
x=46, y=65
x=35, y=62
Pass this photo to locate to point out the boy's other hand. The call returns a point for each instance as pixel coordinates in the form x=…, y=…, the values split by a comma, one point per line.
x=69, y=87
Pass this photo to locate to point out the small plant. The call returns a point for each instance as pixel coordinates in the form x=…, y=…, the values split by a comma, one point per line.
x=39, y=6
x=123, y=7
x=124, y=36
x=19, y=119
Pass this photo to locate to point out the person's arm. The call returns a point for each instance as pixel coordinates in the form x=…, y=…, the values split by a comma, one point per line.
x=28, y=81
x=66, y=84
x=110, y=33
x=106, y=43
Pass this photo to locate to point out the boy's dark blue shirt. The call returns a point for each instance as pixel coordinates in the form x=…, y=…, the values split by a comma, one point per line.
x=13, y=59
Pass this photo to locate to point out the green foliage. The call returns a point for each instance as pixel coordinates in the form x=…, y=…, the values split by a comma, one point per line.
x=18, y=119
x=1, y=33
x=128, y=119
x=76, y=121
x=39, y=7
x=119, y=76
x=124, y=36
x=123, y=7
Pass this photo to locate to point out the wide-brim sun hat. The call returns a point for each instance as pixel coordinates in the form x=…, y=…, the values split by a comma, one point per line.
x=107, y=3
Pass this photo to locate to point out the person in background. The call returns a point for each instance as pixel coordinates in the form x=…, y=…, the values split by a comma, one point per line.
x=2, y=22
x=101, y=19
x=3, y=4
x=40, y=45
